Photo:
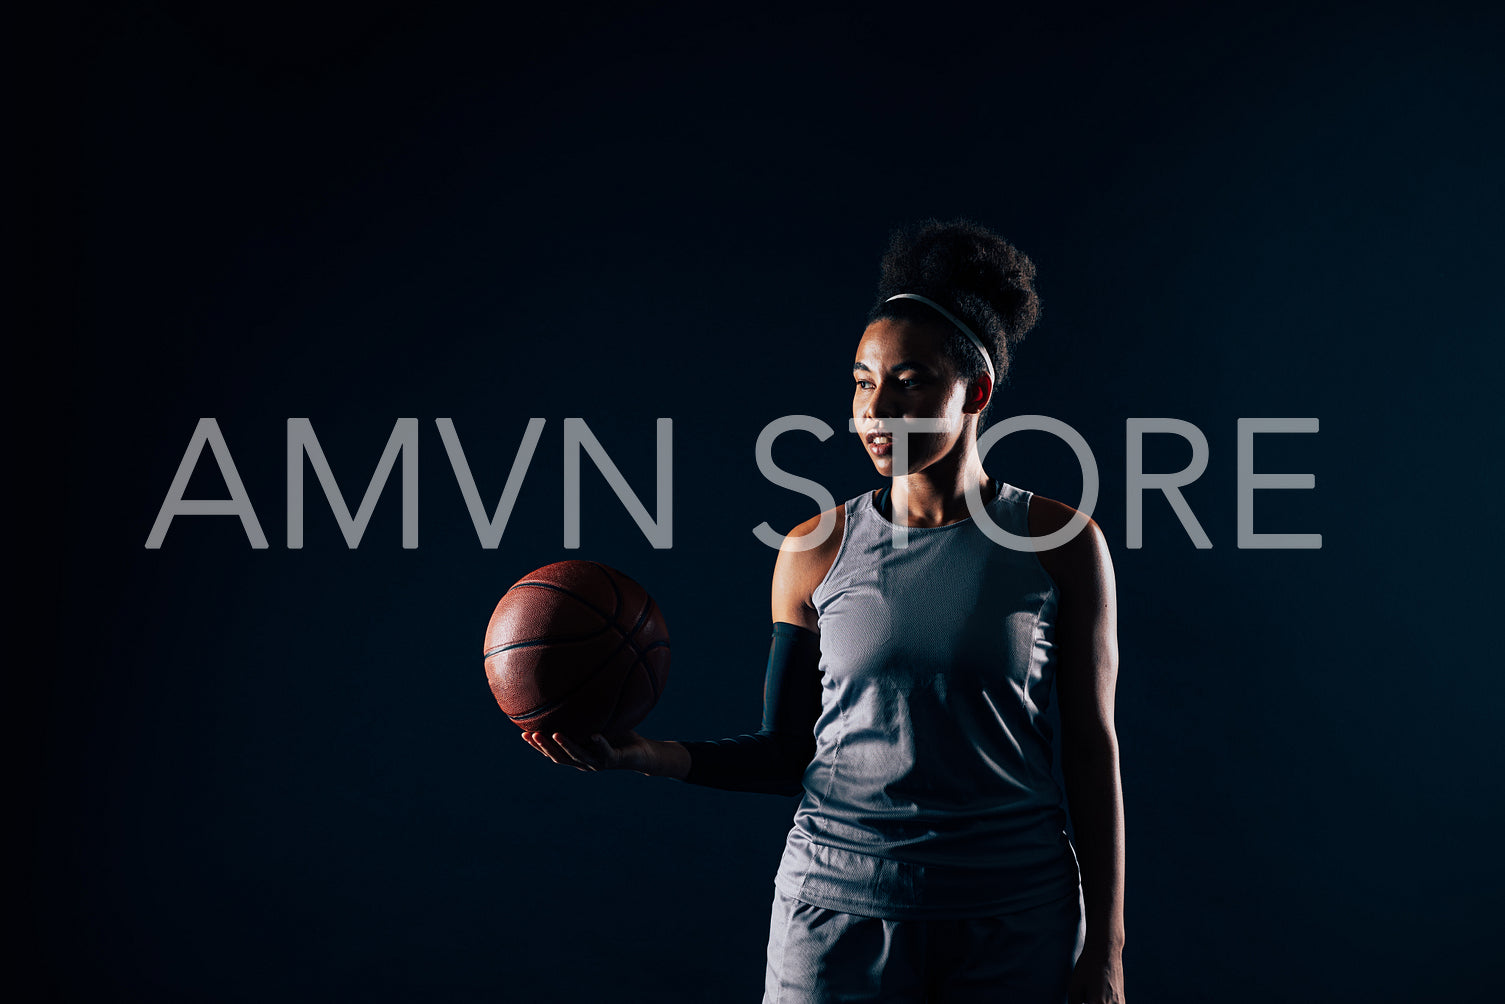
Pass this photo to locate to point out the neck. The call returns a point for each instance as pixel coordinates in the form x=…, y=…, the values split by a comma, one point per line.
x=937, y=495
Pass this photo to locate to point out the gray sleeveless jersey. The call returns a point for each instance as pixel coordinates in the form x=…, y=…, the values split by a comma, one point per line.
x=931, y=791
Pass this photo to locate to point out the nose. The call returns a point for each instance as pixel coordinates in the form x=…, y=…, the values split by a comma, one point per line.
x=880, y=404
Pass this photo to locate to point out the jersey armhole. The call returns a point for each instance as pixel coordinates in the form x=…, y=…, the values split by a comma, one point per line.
x=846, y=534
x=1029, y=498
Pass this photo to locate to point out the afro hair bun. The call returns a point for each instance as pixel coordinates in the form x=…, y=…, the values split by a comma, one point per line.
x=975, y=273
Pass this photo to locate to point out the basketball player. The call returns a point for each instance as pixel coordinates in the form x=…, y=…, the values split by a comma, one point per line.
x=906, y=688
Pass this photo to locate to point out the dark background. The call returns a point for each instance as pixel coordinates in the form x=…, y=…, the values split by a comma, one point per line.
x=278, y=774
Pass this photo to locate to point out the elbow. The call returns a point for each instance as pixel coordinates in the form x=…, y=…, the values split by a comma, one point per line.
x=1090, y=750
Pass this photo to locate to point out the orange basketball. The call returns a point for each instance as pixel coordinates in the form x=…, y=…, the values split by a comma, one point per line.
x=579, y=648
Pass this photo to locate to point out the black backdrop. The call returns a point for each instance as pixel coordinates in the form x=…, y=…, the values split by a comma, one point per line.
x=279, y=774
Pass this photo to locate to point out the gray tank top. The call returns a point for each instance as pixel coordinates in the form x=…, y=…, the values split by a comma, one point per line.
x=931, y=791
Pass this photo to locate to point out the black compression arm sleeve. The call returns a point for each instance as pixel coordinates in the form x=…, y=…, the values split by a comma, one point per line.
x=773, y=760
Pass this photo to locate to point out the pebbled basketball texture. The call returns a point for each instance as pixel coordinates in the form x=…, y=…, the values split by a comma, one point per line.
x=577, y=647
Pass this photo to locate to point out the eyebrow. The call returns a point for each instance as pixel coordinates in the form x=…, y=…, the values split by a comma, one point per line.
x=907, y=364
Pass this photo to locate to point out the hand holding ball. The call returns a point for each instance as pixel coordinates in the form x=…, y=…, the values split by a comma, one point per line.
x=578, y=648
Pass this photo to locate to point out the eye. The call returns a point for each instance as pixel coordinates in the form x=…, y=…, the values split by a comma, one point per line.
x=864, y=385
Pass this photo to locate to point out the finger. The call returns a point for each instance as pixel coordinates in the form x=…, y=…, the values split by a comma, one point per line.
x=549, y=748
x=532, y=740
x=579, y=755
x=557, y=753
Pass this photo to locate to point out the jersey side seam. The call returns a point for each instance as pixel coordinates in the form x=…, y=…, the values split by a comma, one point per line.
x=841, y=711
x=831, y=777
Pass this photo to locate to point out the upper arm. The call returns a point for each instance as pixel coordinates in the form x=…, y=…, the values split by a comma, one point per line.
x=804, y=559
x=1086, y=634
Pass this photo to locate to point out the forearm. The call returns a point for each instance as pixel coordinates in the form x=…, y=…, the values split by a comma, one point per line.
x=772, y=763
x=1095, y=795
x=772, y=760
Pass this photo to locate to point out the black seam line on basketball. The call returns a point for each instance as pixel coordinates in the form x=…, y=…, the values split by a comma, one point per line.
x=550, y=706
x=627, y=638
x=622, y=687
x=637, y=663
x=587, y=604
x=616, y=593
x=547, y=640
x=626, y=641
x=652, y=682
x=606, y=661
x=541, y=709
x=611, y=619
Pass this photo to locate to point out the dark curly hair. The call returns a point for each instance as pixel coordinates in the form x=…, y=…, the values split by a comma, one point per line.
x=972, y=272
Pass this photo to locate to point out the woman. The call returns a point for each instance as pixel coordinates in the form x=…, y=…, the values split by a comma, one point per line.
x=907, y=684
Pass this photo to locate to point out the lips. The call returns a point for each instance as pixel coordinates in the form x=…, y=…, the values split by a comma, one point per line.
x=879, y=443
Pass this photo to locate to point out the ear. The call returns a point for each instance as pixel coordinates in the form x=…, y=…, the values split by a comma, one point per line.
x=979, y=393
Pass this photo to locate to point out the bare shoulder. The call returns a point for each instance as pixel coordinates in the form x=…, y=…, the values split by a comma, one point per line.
x=1082, y=560
x=805, y=557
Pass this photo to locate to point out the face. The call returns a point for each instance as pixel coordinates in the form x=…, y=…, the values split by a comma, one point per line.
x=902, y=371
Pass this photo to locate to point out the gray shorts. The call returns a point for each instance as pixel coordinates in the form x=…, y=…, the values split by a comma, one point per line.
x=817, y=955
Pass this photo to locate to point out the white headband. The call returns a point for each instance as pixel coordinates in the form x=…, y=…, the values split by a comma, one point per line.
x=986, y=358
